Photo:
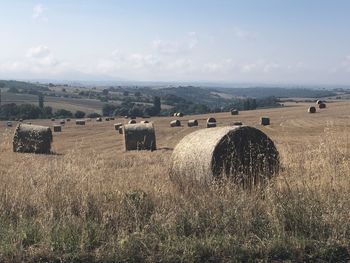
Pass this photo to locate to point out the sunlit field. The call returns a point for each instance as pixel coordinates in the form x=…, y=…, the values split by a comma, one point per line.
x=92, y=201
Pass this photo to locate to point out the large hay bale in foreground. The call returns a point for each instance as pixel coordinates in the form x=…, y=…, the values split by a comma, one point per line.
x=265, y=121
x=80, y=122
x=32, y=139
x=311, y=109
x=57, y=128
x=322, y=105
x=192, y=123
x=175, y=123
x=242, y=153
x=234, y=112
x=139, y=137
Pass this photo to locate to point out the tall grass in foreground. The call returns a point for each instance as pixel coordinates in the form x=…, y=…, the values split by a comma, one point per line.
x=85, y=207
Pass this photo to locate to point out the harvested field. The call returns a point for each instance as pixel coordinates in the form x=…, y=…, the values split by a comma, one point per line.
x=91, y=200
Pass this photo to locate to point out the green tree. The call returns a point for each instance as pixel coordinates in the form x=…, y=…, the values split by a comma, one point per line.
x=41, y=101
x=79, y=114
x=156, y=105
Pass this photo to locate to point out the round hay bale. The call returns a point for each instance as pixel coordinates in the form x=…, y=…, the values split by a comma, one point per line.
x=57, y=128
x=80, y=122
x=62, y=122
x=311, y=109
x=107, y=119
x=117, y=126
x=211, y=122
x=53, y=119
x=319, y=101
x=32, y=139
x=234, y=112
x=139, y=137
x=237, y=123
x=322, y=105
x=99, y=119
x=132, y=121
x=179, y=114
x=9, y=124
x=29, y=123
x=144, y=122
x=20, y=120
x=175, y=123
x=68, y=119
x=242, y=153
x=265, y=121
x=175, y=114
x=192, y=123
x=112, y=118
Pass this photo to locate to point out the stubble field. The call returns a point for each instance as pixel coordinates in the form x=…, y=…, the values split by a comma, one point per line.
x=92, y=201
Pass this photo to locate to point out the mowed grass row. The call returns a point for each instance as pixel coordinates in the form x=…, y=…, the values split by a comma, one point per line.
x=94, y=202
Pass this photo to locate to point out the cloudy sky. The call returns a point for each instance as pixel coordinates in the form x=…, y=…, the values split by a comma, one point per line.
x=271, y=41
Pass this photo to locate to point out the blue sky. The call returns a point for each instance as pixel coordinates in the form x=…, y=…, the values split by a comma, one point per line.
x=270, y=41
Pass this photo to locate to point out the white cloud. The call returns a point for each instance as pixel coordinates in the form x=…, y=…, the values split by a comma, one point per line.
x=39, y=12
x=176, y=47
x=244, y=34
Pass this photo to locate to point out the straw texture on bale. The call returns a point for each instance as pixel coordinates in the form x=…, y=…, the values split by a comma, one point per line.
x=311, y=109
x=80, y=122
x=139, y=137
x=242, y=153
x=32, y=139
x=265, y=121
x=192, y=123
x=57, y=128
x=175, y=114
x=234, y=112
x=179, y=114
x=132, y=121
x=322, y=105
x=175, y=123
x=117, y=126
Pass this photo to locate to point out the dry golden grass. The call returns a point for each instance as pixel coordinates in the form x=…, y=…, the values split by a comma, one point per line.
x=91, y=201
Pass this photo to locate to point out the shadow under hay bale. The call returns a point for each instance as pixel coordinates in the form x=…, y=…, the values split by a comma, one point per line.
x=32, y=139
x=322, y=105
x=311, y=109
x=265, y=121
x=80, y=122
x=192, y=123
x=57, y=128
x=237, y=123
x=175, y=123
x=242, y=153
x=234, y=112
x=139, y=137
